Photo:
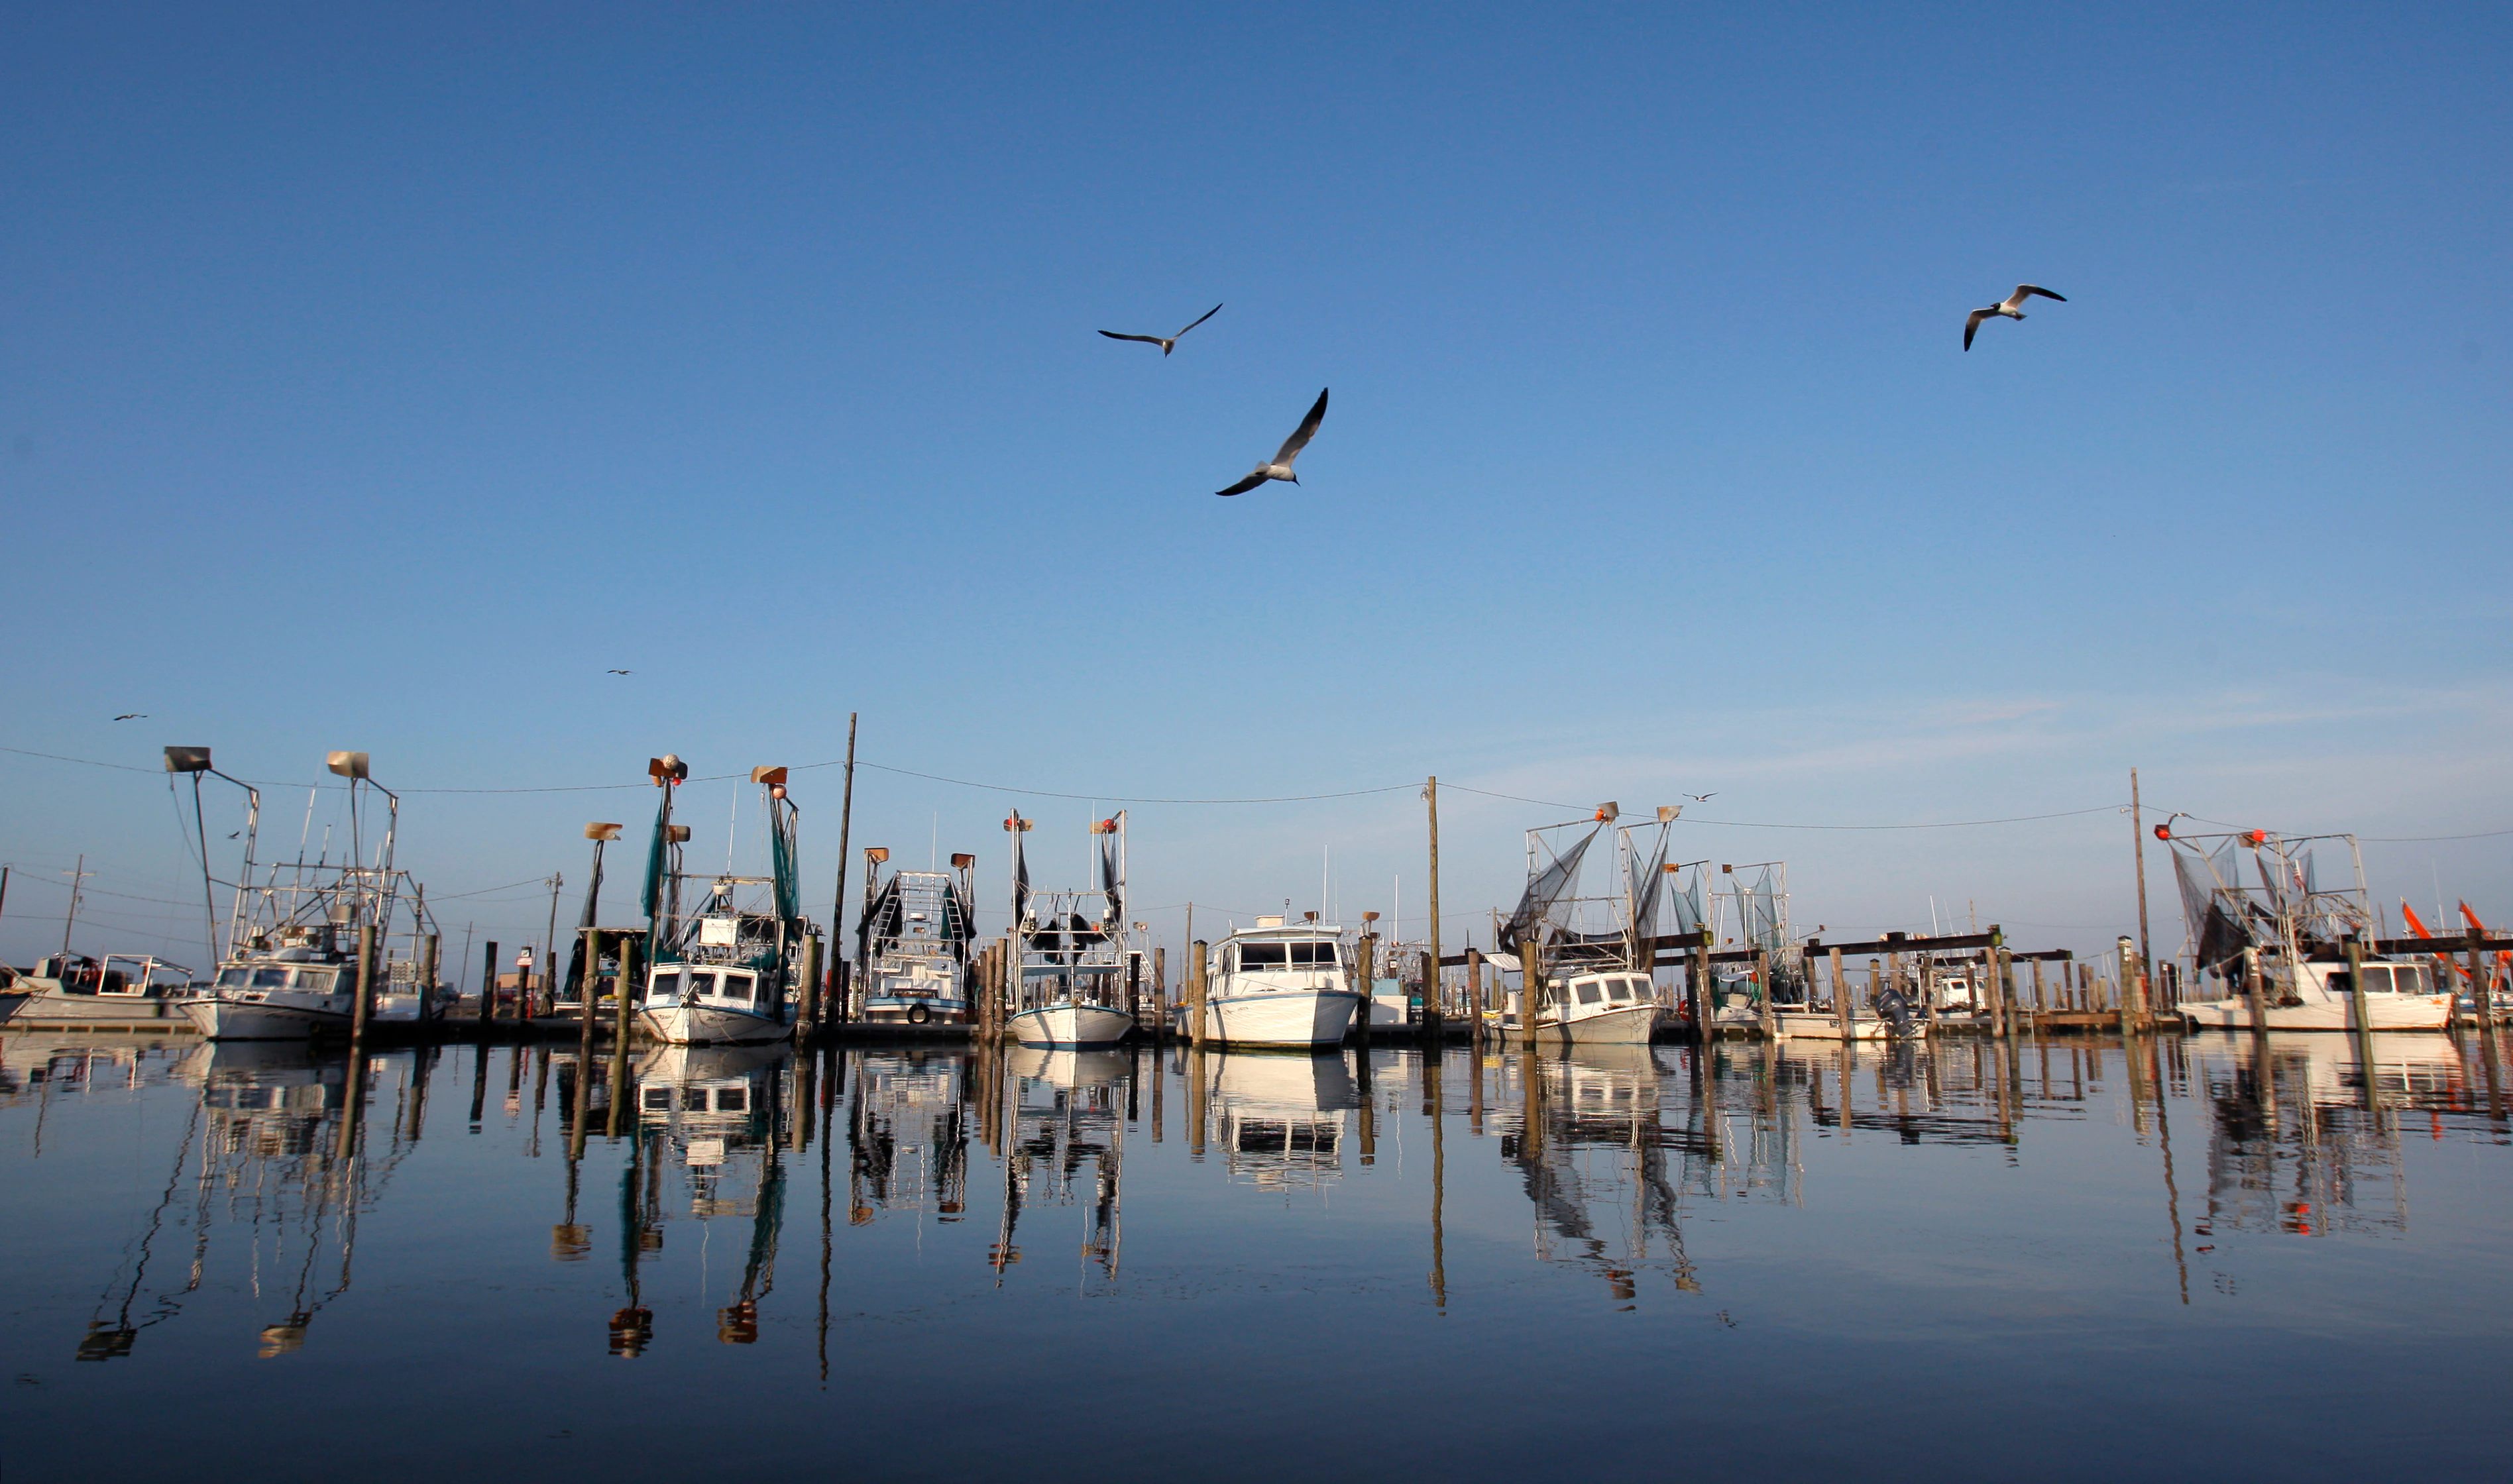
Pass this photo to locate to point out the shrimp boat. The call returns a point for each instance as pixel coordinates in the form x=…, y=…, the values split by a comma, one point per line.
x=1075, y=950
x=2291, y=933
x=120, y=992
x=290, y=970
x=1274, y=984
x=913, y=941
x=1596, y=982
x=722, y=975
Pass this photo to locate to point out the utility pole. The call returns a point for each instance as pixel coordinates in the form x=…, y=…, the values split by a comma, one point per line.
x=1431, y=961
x=838, y=907
x=2137, y=838
x=78, y=878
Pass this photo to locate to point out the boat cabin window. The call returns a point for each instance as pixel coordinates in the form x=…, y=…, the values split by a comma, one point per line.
x=318, y=980
x=271, y=979
x=732, y=1099
x=235, y=978
x=1263, y=956
x=1313, y=955
x=658, y=1100
x=1620, y=990
x=701, y=983
x=736, y=986
x=2411, y=979
x=1588, y=991
x=667, y=986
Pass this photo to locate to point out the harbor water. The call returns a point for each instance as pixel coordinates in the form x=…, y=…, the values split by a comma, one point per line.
x=2074, y=1258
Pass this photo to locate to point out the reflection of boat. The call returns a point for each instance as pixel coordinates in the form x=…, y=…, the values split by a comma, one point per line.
x=723, y=975
x=1281, y=1118
x=718, y=1109
x=2288, y=932
x=907, y=1133
x=1068, y=1108
x=1068, y=1068
x=1074, y=951
x=1277, y=986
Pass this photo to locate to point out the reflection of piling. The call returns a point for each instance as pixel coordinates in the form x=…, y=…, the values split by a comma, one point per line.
x=2364, y=1012
x=1195, y=1058
x=423, y=1066
x=2494, y=1083
x=479, y=1084
x=1433, y=1060
x=624, y=997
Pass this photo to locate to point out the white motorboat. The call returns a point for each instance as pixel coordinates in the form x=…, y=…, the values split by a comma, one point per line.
x=1276, y=985
x=1603, y=1007
x=725, y=975
x=1075, y=950
x=2288, y=933
x=1596, y=981
x=2398, y=996
x=1798, y=1023
x=69, y=991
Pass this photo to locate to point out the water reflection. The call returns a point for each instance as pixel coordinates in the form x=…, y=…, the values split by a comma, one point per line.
x=1609, y=1155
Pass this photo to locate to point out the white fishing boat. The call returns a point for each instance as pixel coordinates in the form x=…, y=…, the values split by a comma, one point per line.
x=913, y=942
x=2288, y=933
x=290, y=968
x=726, y=974
x=1799, y=1023
x=1273, y=984
x=1076, y=952
x=1597, y=988
x=120, y=992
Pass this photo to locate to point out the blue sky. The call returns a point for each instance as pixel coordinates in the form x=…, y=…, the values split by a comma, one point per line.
x=380, y=379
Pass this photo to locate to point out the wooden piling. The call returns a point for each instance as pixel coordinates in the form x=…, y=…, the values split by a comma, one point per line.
x=1134, y=988
x=1770, y=1017
x=2480, y=994
x=1842, y=1009
x=1160, y=995
x=1197, y=955
x=426, y=967
x=365, y=1004
x=806, y=1005
x=1366, y=977
x=1475, y=1007
x=488, y=985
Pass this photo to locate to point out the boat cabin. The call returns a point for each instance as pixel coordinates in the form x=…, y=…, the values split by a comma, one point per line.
x=710, y=984
x=1598, y=991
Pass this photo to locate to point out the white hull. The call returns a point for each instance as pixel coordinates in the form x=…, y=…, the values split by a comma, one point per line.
x=1629, y=1026
x=54, y=1009
x=1801, y=1025
x=279, y=1018
x=1281, y=1018
x=1070, y=1025
x=708, y=1026
x=2389, y=1012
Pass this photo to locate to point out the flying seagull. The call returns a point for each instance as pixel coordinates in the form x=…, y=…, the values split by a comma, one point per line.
x=620, y=672
x=133, y=715
x=2012, y=309
x=1169, y=343
x=1281, y=467
x=1702, y=797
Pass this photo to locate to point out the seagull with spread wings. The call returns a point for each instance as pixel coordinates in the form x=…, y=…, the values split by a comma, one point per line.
x=133, y=715
x=1171, y=343
x=1281, y=466
x=620, y=672
x=2013, y=308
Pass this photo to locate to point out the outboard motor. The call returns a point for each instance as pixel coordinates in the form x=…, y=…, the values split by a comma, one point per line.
x=1895, y=1008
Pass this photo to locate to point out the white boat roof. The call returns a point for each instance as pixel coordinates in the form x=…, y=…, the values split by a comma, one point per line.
x=1301, y=932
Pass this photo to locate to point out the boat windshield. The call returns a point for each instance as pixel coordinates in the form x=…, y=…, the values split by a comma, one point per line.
x=271, y=979
x=320, y=980
x=701, y=983
x=235, y=978
x=1263, y=956
x=1313, y=955
x=667, y=986
x=736, y=986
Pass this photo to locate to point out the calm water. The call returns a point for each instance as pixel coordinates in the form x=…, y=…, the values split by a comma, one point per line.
x=2077, y=1263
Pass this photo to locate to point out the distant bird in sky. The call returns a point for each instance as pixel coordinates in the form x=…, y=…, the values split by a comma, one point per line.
x=620, y=672
x=2013, y=308
x=232, y=834
x=1281, y=466
x=133, y=715
x=1169, y=343
x=1702, y=797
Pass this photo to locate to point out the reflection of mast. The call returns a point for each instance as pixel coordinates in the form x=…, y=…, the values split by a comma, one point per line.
x=740, y=1324
x=102, y=1344
x=632, y=1328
